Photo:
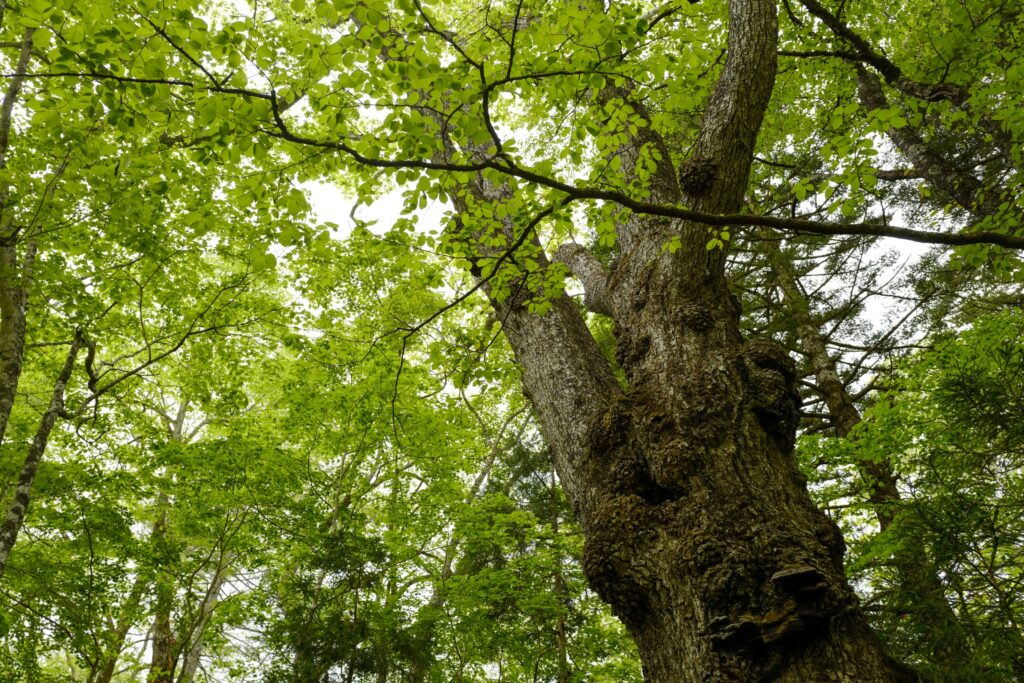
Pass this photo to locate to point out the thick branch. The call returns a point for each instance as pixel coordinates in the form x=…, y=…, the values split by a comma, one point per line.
x=591, y=274
x=960, y=186
x=894, y=76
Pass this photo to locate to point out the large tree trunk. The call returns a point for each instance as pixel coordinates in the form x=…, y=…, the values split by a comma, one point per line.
x=699, y=530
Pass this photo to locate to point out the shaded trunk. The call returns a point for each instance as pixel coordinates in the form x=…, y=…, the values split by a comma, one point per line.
x=162, y=660
x=958, y=184
x=16, y=511
x=956, y=181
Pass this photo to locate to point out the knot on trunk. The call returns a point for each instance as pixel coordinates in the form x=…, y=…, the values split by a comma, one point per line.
x=630, y=475
x=630, y=350
x=697, y=175
x=613, y=555
x=770, y=377
x=639, y=446
x=696, y=316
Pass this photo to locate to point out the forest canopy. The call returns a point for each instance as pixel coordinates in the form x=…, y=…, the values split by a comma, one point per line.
x=420, y=341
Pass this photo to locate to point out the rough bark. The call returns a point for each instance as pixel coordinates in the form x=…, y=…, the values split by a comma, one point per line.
x=561, y=634
x=698, y=528
x=15, y=517
x=591, y=274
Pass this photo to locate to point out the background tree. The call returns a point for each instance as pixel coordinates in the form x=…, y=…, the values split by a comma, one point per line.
x=948, y=421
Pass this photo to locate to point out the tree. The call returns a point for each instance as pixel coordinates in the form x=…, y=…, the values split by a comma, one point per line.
x=677, y=454
x=949, y=421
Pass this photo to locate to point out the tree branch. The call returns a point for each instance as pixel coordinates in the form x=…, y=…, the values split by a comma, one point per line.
x=591, y=273
x=893, y=75
x=15, y=517
x=506, y=166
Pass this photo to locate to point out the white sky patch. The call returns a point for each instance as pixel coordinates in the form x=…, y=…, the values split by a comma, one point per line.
x=330, y=204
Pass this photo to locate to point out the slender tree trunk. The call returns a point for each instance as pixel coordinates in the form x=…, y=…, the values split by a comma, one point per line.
x=15, y=281
x=879, y=477
x=118, y=633
x=959, y=185
x=561, y=632
x=945, y=637
x=162, y=660
x=194, y=641
x=15, y=278
x=698, y=527
x=16, y=511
